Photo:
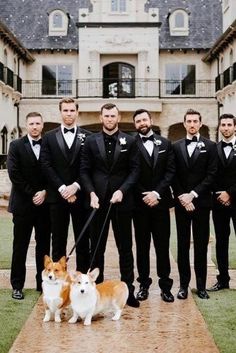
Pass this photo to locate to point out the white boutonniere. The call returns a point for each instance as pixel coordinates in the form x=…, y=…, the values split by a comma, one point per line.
x=82, y=137
x=123, y=141
x=157, y=142
x=200, y=145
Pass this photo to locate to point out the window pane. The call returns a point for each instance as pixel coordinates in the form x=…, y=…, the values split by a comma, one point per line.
x=122, y=5
x=188, y=79
x=114, y=5
x=65, y=80
x=57, y=20
x=179, y=20
x=49, y=80
x=180, y=79
x=173, y=79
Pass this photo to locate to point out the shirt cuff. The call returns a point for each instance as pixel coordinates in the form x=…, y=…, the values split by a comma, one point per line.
x=62, y=188
x=157, y=194
x=194, y=194
x=77, y=185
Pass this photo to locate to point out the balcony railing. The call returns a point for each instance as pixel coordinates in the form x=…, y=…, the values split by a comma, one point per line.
x=8, y=77
x=226, y=78
x=115, y=88
x=17, y=83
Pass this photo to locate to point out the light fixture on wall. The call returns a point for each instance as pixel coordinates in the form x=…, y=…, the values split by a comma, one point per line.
x=148, y=68
x=89, y=69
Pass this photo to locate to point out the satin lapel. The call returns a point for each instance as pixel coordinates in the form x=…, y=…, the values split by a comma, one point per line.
x=117, y=149
x=156, y=150
x=143, y=151
x=221, y=153
x=77, y=146
x=231, y=156
x=29, y=150
x=184, y=151
x=195, y=155
x=61, y=142
x=101, y=147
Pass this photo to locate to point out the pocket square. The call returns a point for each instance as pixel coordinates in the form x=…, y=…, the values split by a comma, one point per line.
x=203, y=151
x=123, y=150
x=161, y=151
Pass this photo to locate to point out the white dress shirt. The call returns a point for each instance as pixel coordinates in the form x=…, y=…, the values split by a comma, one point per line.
x=228, y=149
x=35, y=148
x=69, y=136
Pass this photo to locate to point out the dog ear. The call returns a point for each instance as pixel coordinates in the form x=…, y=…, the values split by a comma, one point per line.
x=47, y=260
x=63, y=263
x=94, y=274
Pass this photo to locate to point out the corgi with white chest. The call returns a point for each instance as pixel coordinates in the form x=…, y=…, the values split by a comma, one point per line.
x=88, y=299
x=56, y=288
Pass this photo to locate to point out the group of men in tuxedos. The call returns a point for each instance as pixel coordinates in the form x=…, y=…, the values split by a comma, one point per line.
x=124, y=179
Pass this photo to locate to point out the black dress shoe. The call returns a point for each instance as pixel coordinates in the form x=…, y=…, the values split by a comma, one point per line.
x=202, y=294
x=17, y=294
x=142, y=294
x=167, y=296
x=132, y=301
x=218, y=286
x=182, y=293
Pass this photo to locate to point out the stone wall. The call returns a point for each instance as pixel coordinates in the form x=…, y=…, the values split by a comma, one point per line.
x=5, y=184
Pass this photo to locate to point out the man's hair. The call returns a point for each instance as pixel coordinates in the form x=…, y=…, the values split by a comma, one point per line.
x=192, y=112
x=68, y=100
x=32, y=115
x=109, y=106
x=227, y=116
x=140, y=111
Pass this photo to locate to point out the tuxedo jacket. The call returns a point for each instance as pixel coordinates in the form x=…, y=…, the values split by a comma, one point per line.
x=196, y=173
x=156, y=172
x=104, y=180
x=58, y=166
x=226, y=175
x=25, y=174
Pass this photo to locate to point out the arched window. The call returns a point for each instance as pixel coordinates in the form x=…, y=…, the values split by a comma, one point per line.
x=58, y=23
x=4, y=140
x=179, y=23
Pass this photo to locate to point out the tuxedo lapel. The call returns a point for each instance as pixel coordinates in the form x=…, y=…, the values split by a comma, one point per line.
x=156, y=150
x=61, y=142
x=195, y=155
x=184, y=151
x=231, y=156
x=77, y=146
x=101, y=147
x=29, y=150
x=143, y=151
x=221, y=153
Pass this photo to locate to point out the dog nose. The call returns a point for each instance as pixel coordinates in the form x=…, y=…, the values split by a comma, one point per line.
x=50, y=277
x=82, y=290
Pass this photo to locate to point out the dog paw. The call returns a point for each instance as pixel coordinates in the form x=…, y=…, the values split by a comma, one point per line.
x=73, y=320
x=46, y=319
x=57, y=319
x=87, y=322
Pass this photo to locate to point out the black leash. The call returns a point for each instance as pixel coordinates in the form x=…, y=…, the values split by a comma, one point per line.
x=82, y=232
x=100, y=236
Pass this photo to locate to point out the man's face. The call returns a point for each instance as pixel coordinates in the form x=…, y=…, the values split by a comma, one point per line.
x=227, y=128
x=34, y=126
x=69, y=114
x=143, y=123
x=110, y=119
x=192, y=124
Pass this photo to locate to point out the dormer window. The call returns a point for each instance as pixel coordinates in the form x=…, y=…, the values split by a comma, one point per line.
x=58, y=23
x=179, y=23
x=118, y=6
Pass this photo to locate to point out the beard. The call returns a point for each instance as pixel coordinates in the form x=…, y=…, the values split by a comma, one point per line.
x=144, y=130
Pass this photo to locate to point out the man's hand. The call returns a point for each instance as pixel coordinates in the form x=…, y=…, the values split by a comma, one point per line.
x=117, y=196
x=186, y=199
x=190, y=207
x=72, y=199
x=224, y=198
x=69, y=191
x=150, y=198
x=39, y=197
x=94, y=200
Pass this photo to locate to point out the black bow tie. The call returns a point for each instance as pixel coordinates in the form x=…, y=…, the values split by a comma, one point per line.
x=225, y=144
x=149, y=138
x=188, y=141
x=36, y=142
x=69, y=130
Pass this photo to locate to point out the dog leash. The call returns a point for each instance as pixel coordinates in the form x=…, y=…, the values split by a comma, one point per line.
x=82, y=232
x=100, y=236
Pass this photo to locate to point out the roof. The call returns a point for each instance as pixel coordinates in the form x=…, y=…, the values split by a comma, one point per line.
x=222, y=42
x=28, y=21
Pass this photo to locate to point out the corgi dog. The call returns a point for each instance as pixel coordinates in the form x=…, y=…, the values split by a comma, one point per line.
x=56, y=288
x=88, y=299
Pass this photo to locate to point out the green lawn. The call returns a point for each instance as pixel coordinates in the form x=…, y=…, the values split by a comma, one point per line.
x=13, y=314
x=6, y=229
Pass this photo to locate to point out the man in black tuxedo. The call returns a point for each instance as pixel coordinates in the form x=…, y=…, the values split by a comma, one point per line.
x=109, y=170
x=27, y=203
x=152, y=202
x=60, y=156
x=196, y=165
x=224, y=205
